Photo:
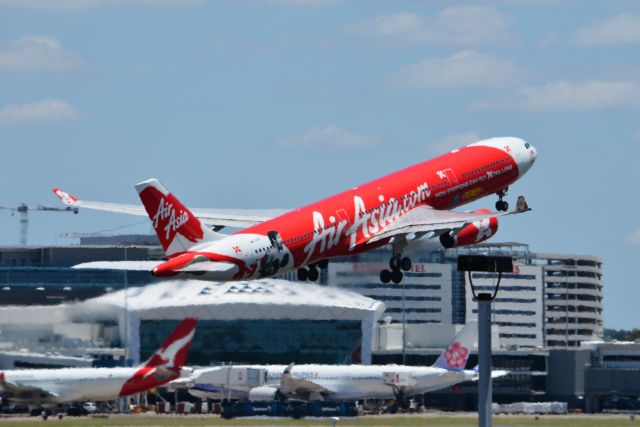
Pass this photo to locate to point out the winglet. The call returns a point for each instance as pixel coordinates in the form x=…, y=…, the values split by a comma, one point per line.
x=66, y=198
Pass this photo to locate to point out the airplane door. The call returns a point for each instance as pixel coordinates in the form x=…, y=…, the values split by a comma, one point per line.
x=342, y=216
x=451, y=177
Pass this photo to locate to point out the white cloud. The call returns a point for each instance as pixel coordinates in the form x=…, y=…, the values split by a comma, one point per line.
x=569, y=96
x=328, y=136
x=452, y=142
x=454, y=25
x=620, y=29
x=48, y=110
x=466, y=68
x=36, y=53
x=88, y=4
x=634, y=237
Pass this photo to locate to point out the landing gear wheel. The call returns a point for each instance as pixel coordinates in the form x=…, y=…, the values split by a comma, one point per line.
x=313, y=274
x=447, y=241
x=502, y=205
x=396, y=276
x=385, y=276
x=323, y=264
x=405, y=263
x=303, y=274
x=394, y=263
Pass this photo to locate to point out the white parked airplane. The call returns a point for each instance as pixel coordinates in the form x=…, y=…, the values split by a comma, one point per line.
x=49, y=387
x=337, y=382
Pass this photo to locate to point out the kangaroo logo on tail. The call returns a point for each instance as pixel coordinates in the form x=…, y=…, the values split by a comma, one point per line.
x=173, y=352
x=165, y=364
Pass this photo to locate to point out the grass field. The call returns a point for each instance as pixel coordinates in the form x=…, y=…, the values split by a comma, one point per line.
x=375, y=421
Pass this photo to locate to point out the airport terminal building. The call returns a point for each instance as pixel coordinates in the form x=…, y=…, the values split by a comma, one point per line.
x=53, y=315
x=550, y=300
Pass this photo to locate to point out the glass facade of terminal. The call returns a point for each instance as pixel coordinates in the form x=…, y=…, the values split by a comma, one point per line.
x=260, y=341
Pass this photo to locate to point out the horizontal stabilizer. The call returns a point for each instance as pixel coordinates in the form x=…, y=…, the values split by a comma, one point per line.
x=498, y=374
x=118, y=265
x=203, y=266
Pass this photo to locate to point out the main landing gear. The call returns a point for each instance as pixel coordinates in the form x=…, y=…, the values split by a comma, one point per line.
x=311, y=272
x=396, y=264
x=502, y=205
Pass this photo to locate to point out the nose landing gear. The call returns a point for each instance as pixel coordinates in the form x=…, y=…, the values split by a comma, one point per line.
x=502, y=205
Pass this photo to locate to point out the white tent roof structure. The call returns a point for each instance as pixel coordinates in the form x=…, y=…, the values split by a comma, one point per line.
x=256, y=299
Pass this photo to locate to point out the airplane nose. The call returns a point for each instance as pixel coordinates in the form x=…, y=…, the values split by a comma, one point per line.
x=534, y=154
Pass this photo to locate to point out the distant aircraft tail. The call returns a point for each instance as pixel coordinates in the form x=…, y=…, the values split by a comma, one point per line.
x=177, y=228
x=166, y=363
x=455, y=357
x=173, y=352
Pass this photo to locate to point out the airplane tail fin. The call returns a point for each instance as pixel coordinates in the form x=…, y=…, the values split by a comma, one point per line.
x=455, y=357
x=177, y=228
x=173, y=352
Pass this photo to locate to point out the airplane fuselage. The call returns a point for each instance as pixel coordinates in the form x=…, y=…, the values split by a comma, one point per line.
x=76, y=384
x=343, y=224
x=348, y=382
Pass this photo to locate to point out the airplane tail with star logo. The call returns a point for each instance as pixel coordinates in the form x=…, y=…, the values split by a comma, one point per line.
x=455, y=357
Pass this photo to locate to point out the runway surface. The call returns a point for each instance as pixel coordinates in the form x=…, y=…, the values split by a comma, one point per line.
x=429, y=419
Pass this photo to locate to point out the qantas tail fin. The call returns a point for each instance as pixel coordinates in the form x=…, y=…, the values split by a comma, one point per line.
x=455, y=357
x=173, y=352
x=177, y=228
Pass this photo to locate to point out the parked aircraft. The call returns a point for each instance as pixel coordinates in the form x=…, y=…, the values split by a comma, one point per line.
x=398, y=209
x=337, y=382
x=48, y=387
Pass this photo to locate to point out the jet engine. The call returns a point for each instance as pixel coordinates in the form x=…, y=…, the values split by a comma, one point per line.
x=263, y=393
x=473, y=233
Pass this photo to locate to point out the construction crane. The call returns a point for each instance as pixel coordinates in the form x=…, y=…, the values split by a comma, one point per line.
x=23, y=210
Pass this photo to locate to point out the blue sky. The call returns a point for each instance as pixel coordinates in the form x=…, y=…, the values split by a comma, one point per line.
x=279, y=103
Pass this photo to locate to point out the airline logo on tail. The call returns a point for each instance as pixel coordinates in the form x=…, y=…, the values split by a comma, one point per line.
x=168, y=216
x=173, y=352
x=456, y=355
x=165, y=364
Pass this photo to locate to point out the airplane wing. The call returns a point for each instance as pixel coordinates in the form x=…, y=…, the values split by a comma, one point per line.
x=293, y=387
x=17, y=391
x=196, y=267
x=237, y=218
x=425, y=219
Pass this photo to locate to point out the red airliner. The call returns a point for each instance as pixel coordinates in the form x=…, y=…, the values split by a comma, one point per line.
x=399, y=209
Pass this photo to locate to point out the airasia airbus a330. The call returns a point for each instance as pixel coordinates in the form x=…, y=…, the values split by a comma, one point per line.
x=398, y=209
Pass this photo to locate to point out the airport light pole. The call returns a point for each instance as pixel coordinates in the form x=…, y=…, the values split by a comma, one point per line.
x=404, y=329
x=490, y=264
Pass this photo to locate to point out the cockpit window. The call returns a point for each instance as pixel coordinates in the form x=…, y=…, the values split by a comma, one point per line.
x=526, y=145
